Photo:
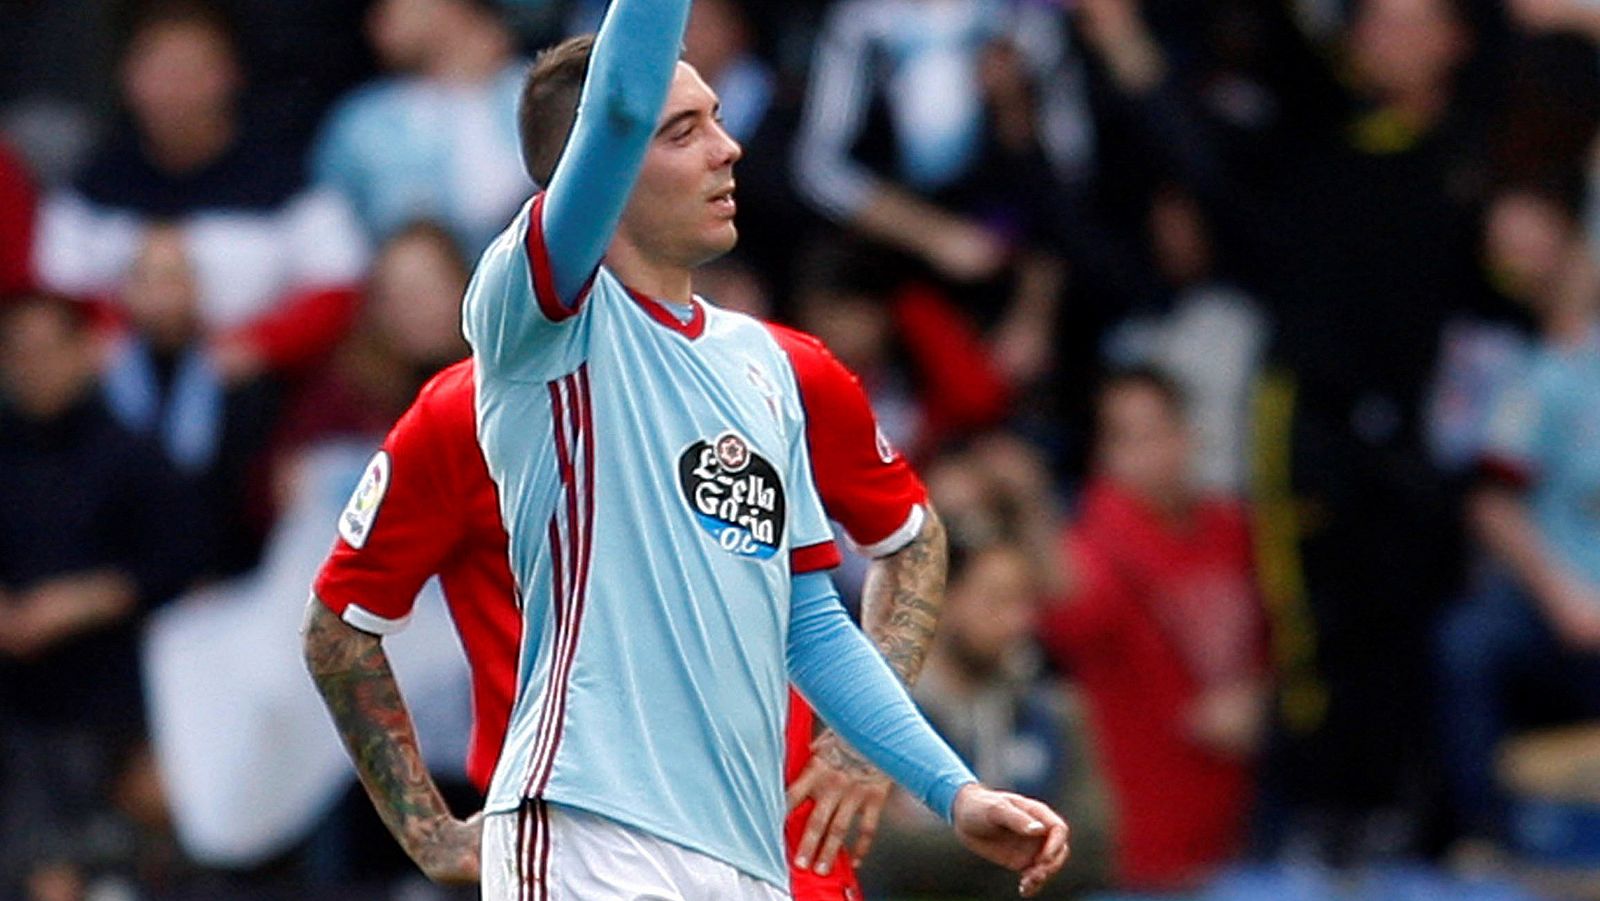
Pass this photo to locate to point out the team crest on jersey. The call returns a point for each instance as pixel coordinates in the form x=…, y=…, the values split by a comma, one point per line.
x=355, y=523
x=735, y=494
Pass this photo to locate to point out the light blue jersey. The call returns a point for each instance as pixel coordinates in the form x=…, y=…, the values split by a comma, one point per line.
x=654, y=480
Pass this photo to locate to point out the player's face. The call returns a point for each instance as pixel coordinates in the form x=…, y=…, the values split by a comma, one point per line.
x=681, y=211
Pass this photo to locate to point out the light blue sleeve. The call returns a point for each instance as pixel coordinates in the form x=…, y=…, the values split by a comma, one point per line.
x=856, y=693
x=630, y=72
x=524, y=308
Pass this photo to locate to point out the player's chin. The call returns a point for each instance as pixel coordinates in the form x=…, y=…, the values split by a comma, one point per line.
x=718, y=240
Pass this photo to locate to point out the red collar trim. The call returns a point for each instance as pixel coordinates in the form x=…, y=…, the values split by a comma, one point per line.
x=658, y=311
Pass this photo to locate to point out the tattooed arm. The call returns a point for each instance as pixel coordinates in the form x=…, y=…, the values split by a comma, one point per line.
x=900, y=606
x=903, y=596
x=352, y=673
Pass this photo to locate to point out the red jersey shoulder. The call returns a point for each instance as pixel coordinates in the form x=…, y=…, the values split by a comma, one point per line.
x=865, y=485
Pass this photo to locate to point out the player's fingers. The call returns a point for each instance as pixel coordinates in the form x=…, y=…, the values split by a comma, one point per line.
x=1054, y=853
x=800, y=789
x=838, y=831
x=816, y=828
x=1012, y=818
x=867, y=829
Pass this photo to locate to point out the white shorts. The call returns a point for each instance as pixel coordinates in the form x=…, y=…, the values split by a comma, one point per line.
x=545, y=852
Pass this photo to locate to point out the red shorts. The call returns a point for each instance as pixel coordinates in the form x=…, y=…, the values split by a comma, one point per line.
x=839, y=885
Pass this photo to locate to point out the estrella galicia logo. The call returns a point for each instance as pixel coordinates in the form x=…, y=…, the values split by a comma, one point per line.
x=735, y=494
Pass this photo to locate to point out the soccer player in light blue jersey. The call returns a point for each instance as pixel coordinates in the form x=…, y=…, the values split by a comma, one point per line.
x=667, y=540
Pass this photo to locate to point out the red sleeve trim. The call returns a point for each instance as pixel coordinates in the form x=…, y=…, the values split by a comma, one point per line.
x=1506, y=472
x=814, y=557
x=544, y=282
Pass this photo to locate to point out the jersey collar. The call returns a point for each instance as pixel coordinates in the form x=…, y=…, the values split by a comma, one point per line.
x=656, y=310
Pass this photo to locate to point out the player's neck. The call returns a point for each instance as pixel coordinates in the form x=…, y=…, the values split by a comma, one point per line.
x=666, y=282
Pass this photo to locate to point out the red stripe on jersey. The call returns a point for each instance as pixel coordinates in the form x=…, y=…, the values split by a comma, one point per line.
x=547, y=735
x=574, y=423
x=812, y=557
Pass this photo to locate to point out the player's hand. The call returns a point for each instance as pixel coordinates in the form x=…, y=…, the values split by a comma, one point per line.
x=448, y=850
x=848, y=791
x=1018, y=833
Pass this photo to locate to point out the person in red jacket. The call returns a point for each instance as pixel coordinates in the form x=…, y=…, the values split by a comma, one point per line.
x=427, y=506
x=1162, y=629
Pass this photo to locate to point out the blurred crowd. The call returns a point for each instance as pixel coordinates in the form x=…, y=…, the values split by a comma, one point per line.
x=1250, y=349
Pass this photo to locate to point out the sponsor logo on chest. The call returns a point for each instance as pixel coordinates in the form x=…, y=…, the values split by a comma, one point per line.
x=735, y=494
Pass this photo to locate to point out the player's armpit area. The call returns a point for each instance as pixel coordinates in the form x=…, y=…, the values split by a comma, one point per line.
x=903, y=597
x=353, y=676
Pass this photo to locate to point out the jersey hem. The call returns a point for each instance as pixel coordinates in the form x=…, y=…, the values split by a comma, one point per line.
x=367, y=621
x=897, y=539
x=630, y=820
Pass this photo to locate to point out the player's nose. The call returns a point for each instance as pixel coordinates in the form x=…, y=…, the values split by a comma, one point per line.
x=727, y=151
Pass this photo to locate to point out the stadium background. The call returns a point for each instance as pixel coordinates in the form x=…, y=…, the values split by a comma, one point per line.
x=232, y=241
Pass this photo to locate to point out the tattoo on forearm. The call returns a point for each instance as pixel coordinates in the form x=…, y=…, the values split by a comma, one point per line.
x=352, y=673
x=903, y=597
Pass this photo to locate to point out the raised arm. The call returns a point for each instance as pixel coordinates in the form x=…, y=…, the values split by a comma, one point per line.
x=632, y=66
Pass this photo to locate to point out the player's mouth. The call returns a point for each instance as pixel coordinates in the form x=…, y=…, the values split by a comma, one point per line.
x=723, y=202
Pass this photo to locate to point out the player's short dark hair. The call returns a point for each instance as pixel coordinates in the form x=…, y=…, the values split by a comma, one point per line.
x=1150, y=378
x=549, y=104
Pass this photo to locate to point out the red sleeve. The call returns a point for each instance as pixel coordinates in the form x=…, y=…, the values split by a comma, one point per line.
x=865, y=484
x=404, y=520
x=961, y=387
x=16, y=226
x=304, y=328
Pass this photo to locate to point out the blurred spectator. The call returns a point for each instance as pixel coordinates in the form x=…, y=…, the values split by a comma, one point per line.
x=437, y=139
x=1161, y=628
x=262, y=244
x=161, y=383
x=1524, y=646
x=982, y=690
x=1354, y=224
x=409, y=328
x=924, y=66
x=928, y=373
x=214, y=662
x=94, y=529
x=16, y=225
x=718, y=43
x=1211, y=340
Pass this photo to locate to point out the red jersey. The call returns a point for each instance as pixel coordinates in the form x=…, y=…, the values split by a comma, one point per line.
x=1161, y=612
x=428, y=506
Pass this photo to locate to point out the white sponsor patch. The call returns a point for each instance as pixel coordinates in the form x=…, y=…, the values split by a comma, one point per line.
x=355, y=523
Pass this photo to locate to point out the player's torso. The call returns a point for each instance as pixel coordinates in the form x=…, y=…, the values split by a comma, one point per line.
x=645, y=495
